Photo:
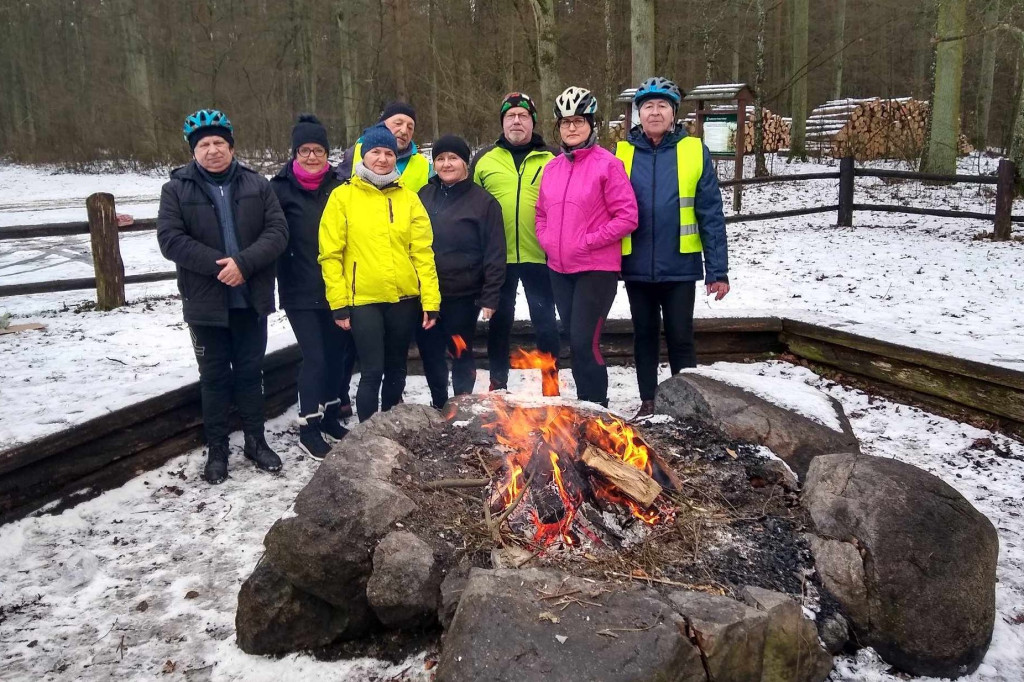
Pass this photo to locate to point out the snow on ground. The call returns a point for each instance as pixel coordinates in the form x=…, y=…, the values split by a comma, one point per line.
x=912, y=279
x=72, y=586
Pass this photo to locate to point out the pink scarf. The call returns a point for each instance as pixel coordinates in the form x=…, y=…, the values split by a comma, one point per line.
x=308, y=181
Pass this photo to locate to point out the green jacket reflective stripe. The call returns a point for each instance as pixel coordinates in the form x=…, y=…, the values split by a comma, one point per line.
x=416, y=172
x=690, y=164
x=516, y=191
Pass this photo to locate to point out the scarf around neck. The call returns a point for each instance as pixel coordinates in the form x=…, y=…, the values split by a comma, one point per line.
x=308, y=181
x=375, y=179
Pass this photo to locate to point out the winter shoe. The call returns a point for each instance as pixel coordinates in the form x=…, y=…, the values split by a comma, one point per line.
x=497, y=386
x=256, y=449
x=345, y=411
x=331, y=425
x=310, y=439
x=216, y=464
x=646, y=409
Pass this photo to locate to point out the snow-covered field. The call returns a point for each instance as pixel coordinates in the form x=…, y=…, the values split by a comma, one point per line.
x=144, y=579
x=72, y=586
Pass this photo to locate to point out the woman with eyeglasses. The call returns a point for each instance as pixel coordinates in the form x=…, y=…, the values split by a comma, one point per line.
x=585, y=208
x=303, y=186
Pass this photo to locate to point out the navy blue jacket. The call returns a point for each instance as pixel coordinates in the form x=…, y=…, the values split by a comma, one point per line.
x=655, y=256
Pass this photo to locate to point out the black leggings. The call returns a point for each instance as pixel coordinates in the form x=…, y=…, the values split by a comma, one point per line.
x=537, y=285
x=231, y=369
x=583, y=300
x=648, y=302
x=458, y=318
x=326, y=350
x=382, y=332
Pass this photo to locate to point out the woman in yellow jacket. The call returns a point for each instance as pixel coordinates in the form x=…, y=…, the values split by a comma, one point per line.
x=378, y=267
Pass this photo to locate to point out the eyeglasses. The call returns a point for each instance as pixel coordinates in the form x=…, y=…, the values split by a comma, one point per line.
x=577, y=122
x=518, y=115
x=306, y=152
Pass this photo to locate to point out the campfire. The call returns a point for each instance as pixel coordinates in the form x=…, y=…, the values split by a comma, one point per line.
x=575, y=480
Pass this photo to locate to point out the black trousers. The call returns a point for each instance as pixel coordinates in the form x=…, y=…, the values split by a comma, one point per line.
x=648, y=303
x=231, y=370
x=458, y=318
x=325, y=348
x=382, y=333
x=537, y=285
x=583, y=301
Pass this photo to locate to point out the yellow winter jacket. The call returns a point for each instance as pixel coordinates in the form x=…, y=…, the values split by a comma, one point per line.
x=375, y=247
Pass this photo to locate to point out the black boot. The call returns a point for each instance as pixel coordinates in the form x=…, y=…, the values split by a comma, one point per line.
x=310, y=439
x=330, y=425
x=216, y=463
x=256, y=449
x=646, y=409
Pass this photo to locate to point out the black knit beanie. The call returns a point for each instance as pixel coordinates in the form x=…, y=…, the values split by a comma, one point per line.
x=309, y=129
x=451, y=143
x=199, y=133
x=396, y=107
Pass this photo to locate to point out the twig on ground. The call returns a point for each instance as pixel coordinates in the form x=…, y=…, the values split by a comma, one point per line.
x=445, y=483
x=108, y=631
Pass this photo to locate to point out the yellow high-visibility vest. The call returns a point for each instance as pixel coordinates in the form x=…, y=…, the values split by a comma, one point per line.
x=416, y=172
x=689, y=167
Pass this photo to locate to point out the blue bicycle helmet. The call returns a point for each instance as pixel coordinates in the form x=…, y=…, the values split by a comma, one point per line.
x=658, y=87
x=207, y=118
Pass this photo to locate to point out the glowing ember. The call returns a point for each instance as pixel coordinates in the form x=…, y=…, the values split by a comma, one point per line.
x=545, y=446
x=545, y=362
x=459, y=344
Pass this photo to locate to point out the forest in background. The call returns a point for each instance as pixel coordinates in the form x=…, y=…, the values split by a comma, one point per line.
x=88, y=80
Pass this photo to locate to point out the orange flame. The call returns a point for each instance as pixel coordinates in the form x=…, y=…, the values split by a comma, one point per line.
x=460, y=345
x=545, y=362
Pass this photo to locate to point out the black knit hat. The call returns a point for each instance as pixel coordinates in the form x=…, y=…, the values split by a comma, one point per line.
x=396, y=107
x=453, y=144
x=309, y=129
x=518, y=99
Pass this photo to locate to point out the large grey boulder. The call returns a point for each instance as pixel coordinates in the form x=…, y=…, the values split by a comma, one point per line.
x=364, y=508
x=744, y=415
x=404, y=589
x=506, y=630
x=401, y=417
x=364, y=454
x=791, y=649
x=274, y=617
x=912, y=562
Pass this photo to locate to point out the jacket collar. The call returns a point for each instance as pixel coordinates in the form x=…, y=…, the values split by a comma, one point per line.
x=458, y=189
x=191, y=172
x=536, y=143
x=638, y=139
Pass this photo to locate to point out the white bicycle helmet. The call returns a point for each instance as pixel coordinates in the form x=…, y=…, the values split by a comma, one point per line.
x=575, y=102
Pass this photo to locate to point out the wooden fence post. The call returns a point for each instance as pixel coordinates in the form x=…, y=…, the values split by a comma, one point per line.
x=1004, y=199
x=845, y=192
x=106, y=251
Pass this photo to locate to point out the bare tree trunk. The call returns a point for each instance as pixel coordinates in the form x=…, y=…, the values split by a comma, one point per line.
x=838, y=45
x=398, y=42
x=609, y=61
x=547, y=51
x=798, y=89
x=641, y=32
x=941, y=148
x=1016, y=152
x=432, y=47
x=760, y=167
x=137, y=66
x=347, y=111
x=987, y=75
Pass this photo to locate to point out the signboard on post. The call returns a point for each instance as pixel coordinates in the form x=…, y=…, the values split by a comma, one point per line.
x=720, y=133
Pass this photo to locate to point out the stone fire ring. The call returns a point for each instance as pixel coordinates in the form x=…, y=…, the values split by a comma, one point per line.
x=909, y=560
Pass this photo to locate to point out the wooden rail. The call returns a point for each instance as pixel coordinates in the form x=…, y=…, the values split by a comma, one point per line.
x=65, y=468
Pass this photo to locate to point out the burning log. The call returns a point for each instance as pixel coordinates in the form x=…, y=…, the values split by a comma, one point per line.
x=629, y=480
x=620, y=439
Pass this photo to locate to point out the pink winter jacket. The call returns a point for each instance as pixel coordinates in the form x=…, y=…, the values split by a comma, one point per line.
x=584, y=209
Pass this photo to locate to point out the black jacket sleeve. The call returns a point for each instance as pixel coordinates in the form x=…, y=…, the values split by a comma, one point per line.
x=273, y=240
x=176, y=244
x=492, y=236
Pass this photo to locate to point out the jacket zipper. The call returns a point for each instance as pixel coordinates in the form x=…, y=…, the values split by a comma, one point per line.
x=654, y=185
x=534, y=181
x=391, y=212
x=561, y=222
x=519, y=188
x=354, y=265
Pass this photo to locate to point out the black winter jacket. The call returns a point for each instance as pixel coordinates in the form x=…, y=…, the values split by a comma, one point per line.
x=469, y=240
x=189, y=234
x=299, y=278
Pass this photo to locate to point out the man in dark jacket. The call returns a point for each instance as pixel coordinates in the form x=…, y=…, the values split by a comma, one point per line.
x=224, y=229
x=680, y=210
x=469, y=254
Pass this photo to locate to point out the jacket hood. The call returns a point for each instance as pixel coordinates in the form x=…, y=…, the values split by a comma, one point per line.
x=637, y=138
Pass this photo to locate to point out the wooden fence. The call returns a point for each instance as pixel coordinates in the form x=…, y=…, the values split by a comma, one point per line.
x=110, y=280
x=65, y=468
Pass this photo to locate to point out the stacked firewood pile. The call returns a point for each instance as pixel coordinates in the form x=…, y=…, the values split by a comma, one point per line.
x=776, y=128
x=869, y=129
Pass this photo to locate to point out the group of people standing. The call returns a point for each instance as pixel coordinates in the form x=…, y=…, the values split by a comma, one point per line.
x=387, y=247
